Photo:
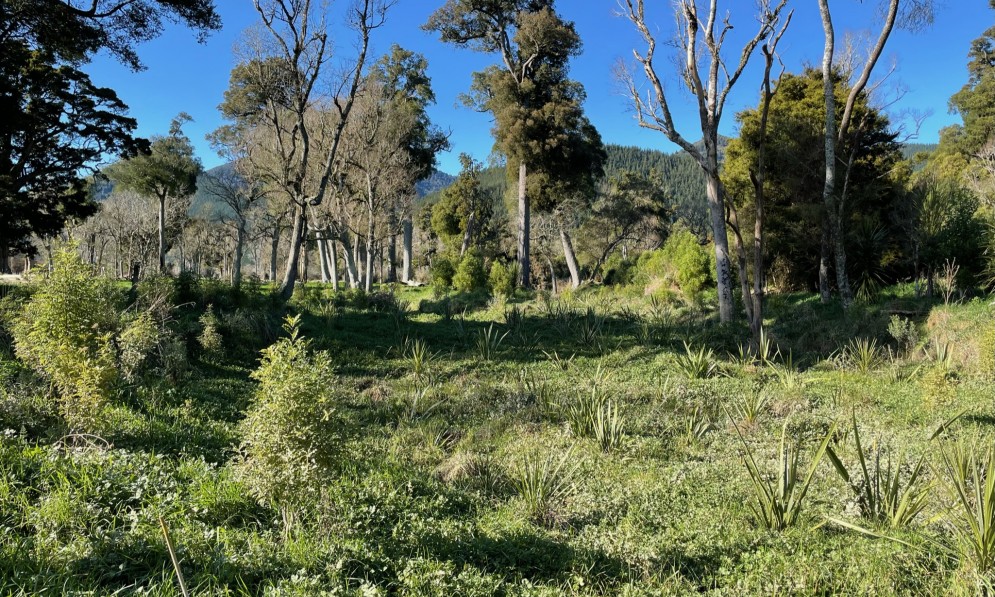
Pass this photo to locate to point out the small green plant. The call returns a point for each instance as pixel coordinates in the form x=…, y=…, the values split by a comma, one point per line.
x=559, y=362
x=609, y=426
x=904, y=332
x=884, y=494
x=489, y=343
x=862, y=354
x=442, y=273
x=589, y=327
x=968, y=475
x=542, y=481
x=582, y=412
x=778, y=505
x=210, y=334
x=514, y=318
x=697, y=424
x=66, y=333
x=696, y=364
x=420, y=358
x=290, y=433
x=419, y=403
x=751, y=406
x=940, y=353
x=767, y=349
x=539, y=390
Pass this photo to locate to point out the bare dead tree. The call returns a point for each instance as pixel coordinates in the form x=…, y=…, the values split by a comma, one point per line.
x=300, y=41
x=755, y=305
x=710, y=82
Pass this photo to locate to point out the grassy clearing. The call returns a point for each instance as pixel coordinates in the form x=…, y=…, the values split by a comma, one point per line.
x=580, y=445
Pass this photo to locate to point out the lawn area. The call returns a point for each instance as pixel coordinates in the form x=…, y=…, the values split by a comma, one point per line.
x=593, y=443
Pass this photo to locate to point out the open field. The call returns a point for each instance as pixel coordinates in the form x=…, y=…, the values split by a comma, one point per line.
x=465, y=465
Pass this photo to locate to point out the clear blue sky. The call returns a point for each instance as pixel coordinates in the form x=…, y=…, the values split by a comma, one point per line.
x=183, y=75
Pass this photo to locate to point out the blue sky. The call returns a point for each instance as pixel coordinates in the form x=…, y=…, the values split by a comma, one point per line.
x=183, y=75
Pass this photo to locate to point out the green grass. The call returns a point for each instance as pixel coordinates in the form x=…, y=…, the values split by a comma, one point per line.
x=463, y=469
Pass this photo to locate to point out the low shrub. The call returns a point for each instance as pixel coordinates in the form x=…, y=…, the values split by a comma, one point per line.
x=442, y=273
x=502, y=279
x=290, y=434
x=470, y=274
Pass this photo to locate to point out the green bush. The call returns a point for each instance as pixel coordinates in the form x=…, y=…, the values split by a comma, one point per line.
x=442, y=273
x=681, y=262
x=470, y=274
x=66, y=333
x=136, y=343
x=210, y=334
x=289, y=434
x=502, y=279
x=690, y=261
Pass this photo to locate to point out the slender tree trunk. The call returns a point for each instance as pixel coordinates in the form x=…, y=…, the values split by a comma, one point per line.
x=825, y=256
x=294, y=256
x=467, y=235
x=370, y=256
x=370, y=251
x=4, y=258
x=323, y=259
x=274, y=252
x=723, y=270
x=834, y=215
x=236, y=276
x=305, y=260
x=552, y=275
x=524, y=223
x=392, y=259
x=407, y=270
x=162, y=234
x=349, y=255
x=741, y=261
x=333, y=262
x=568, y=253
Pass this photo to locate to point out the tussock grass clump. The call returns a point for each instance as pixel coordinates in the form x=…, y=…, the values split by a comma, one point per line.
x=777, y=504
x=543, y=482
x=887, y=491
x=697, y=364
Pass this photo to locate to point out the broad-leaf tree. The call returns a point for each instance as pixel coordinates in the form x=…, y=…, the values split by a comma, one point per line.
x=168, y=173
x=56, y=124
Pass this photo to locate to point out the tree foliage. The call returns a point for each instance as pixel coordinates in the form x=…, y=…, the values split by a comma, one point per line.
x=795, y=178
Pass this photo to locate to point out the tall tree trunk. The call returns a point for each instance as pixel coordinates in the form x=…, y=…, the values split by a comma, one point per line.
x=723, y=271
x=825, y=257
x=370, y=257
x=305, y=260
x=552, y=275
x=274, y=252
x=4, y=258
x=524, y=223
x=333, y=262
x=467, y=235
x=323, y=259
x=236, y=276
x=162, y=234
x=407, y=269
x=568, y=253
x=392, y=259
x=294, y=255
x=349, y=256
